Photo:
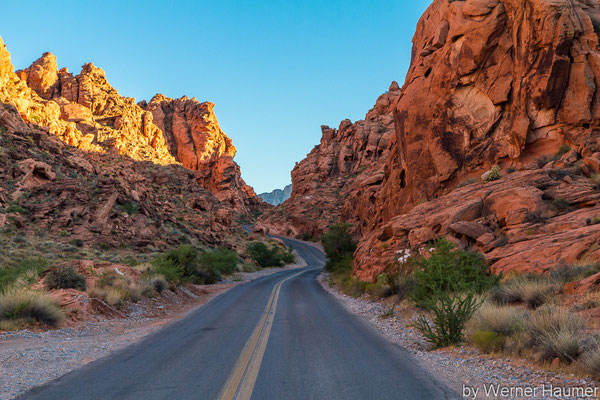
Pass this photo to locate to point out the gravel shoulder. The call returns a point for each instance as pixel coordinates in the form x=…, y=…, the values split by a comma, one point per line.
x=29, y=359
x=462, y=368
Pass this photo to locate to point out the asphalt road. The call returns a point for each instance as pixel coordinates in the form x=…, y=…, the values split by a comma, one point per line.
x=278, y=337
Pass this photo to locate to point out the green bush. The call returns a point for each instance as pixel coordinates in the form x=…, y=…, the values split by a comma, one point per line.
x=449, y=312
x=222, y=259
x=185, y=264
x=488, y=341
x=27, y=306
x=449, y=270
x=65, y=278
x=339, y=246
x=27, y=270
x=269, y=256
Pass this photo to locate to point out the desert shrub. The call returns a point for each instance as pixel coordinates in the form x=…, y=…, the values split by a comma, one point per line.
x=118, y=296
x=502, y=320
x=65, y=278
x=338, y=245
x=131, y=208
x=159, y=283
x=221, y=259
x=27, y=270
x=76, y=242
x=27, y=305
x=560, y=204
x=449, y=270
x=590, y=362
x=529, y=289
x=183, y=265
x=488, y=341
x=449, y=312
x=398, y=276
x=543, y=160
x=388, y=312
x=570, y=273
x=562, y=150
x=555, y=332
x=269, y=256
x=306, y=236
x=491, y=175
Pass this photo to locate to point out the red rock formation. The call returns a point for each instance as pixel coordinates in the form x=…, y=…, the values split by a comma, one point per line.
x=87, y=112
x=194, y=137
x=491, y=82
x=341, y=177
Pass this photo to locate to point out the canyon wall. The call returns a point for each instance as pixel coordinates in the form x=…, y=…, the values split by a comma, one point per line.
x=491, y=82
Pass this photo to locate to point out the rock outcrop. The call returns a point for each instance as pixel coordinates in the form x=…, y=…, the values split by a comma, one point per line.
x=85, y=111
x=491, y=82
x=340, y=178
x=79, y=161
x=195, y=139
x=277, y=196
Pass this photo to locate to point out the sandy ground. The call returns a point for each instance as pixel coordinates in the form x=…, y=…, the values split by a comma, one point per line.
x=29, y=359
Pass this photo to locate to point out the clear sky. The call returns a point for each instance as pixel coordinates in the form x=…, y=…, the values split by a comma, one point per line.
x=276, y=70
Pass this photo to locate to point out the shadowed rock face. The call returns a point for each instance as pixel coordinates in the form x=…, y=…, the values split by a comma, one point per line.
x=340, y=178
x=87, y=112
x=491, y=82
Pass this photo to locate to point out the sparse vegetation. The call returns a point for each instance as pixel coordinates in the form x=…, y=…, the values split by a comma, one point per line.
x=339, y=247
x=560, y=205
x=19, y=307
x=183, y=265
x=25, y=271
x=488, y=341
x=491, y=175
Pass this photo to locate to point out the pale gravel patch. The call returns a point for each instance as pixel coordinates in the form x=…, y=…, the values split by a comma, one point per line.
x=457, y=367
x=29, y=359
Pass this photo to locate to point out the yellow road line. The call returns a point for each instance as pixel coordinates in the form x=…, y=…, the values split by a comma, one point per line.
x=241, y=381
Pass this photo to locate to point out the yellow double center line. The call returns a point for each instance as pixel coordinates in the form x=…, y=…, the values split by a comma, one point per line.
x=241, y=382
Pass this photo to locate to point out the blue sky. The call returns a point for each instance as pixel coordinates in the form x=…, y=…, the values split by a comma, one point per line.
x=276, y=70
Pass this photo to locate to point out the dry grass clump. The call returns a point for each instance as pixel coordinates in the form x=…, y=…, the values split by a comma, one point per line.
x=502, y=320
x=531, y=290
x=117, y=290
x=21, y=306
x=556, y=332
x=590, y=362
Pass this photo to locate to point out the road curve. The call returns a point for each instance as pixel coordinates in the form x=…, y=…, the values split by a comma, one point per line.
x=277, y=337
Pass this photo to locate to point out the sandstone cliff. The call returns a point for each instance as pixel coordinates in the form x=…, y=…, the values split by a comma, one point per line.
x=491, y=82
x=340, y=178
x=87, y=112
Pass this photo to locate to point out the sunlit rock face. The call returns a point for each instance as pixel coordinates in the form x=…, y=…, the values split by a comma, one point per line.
x=85, y=111
x=195, y=139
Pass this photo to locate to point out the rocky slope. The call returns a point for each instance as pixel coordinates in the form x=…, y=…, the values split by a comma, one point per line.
x=277, y=196
x=85, y=111
x=81, y=164
x=491, y=82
